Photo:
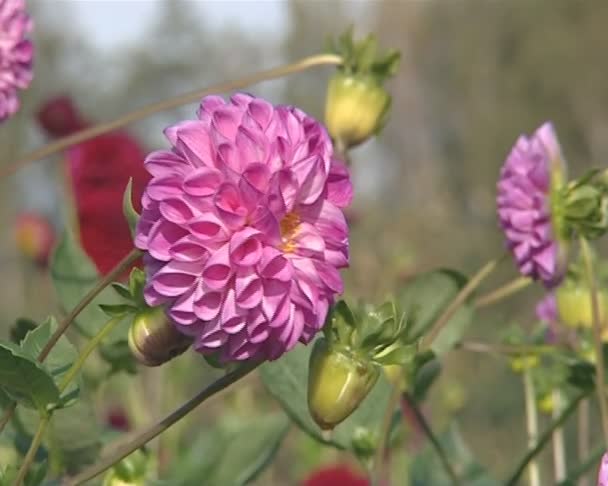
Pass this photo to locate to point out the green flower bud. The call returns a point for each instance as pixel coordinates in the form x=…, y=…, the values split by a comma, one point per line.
x=131, y=471
x=574, y=305
x=585, y=205
x=357, y=104
x=337, y=383
x=355, y=109
x=153, y=339
x=364, y=443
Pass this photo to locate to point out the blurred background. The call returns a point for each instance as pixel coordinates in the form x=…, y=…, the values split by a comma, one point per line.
x=474, y=75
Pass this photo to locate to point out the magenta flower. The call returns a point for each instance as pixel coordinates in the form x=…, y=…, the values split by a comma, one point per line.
x=243, y=227
x=546, y=312
x=602, y=477
x=16, y=54
x=524, y=205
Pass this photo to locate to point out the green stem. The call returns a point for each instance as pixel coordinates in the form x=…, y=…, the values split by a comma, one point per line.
x=502, y=292
x=559, y=446
x=459, y=300
x=426, y=428
x=31, y=453
x=116, y=272
x=597, y=336
x=67, y=379
x=531, y=425
x=119, y=452
x=87, y=350
x=578, y=472
x=385, y=432
x=505, y=349
x=94, y=131
x=543, y=440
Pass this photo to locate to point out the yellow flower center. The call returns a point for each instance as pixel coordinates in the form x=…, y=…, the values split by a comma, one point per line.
x=289, y=229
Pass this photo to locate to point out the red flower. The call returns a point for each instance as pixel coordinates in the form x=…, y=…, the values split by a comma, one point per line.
x=99, y=170
x=117, y=419
x=35, y=237
x=335, y=475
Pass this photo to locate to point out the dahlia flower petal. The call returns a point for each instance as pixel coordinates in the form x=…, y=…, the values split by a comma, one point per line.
x=243, y=228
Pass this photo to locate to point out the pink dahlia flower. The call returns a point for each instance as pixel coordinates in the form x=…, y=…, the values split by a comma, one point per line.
x=602, y=478
x=16, y=54
x=243, y=227
x=524, y=205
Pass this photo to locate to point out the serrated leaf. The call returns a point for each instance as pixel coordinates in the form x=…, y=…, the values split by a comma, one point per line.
x=25, y=380
x=287, y=381
x=73, y=275
x=59, y=360
x=128, y=210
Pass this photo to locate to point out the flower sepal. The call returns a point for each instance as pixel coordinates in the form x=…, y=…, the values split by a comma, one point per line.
x=585, y=203
x=357, y=103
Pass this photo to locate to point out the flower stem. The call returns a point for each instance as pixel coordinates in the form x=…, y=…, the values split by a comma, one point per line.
x=125, y=263
x=460, y=299
x=502, y=292
x=588, y=462
x=531, y=425
x=505, y=349
x=67, y=379
x=119, y=452
x=94, y=131
x=428, y=431
x=559, y=446
x=597, y=335
x=31, y=453
x=385, y=433
x=583, y=437
x=543, y=439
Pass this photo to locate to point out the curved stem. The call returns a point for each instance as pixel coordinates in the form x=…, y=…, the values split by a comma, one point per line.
x=459, y=300
x=122, y=451
x=81, y=136
x=385, y=432
x=428, y=431
x=597, y=336
x=543, y=439
x=31, y=453
x=87, y=350
x=118, y=270
x=502, y=292
x=531, y=425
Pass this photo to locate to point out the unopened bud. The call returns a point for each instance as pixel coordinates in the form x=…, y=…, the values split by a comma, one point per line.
x=154, y=340
x=574, y=305
x=337, y=383
x=131, y=471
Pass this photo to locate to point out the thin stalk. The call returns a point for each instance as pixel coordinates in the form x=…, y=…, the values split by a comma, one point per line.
x=426, y=427
x=583, y=438
x=559, y=446
x=67, y=379
x=385, y=433
x=505, y=349
x=591, y=461
x=502, y=292
x=31, y=453
x=94, y=131
x=531, y=425
x=459, y=300
x=543, y=440
x=118, y=270
x=123, y=450
x=597, y=337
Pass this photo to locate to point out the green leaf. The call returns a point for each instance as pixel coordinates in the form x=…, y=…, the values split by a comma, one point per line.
x=425, y=376
x=122, y=290
x=25, y=380
x=287, y=381
x=127, y=207
x=117, y=310
x=61, y=357
x=73, y=276
x=230, y=455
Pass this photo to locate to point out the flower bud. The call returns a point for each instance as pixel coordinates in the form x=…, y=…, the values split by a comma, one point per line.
x=355, y=109
x=153, y=339
x=35, y=237
x=574, y=305
x=131, y=471
x=59, y=117
x=338, y=381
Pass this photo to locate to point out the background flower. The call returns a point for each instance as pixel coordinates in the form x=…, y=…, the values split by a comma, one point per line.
x=335, y=475
x=99, y=170
x=243, y=226
x=35, y=237
x=524, y=207
x=16, y=55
